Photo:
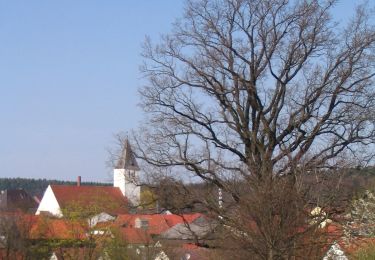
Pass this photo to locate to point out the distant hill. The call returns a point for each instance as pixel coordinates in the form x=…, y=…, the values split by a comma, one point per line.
x=37, y=186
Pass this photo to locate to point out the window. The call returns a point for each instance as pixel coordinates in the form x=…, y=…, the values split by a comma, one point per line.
x=141, y=223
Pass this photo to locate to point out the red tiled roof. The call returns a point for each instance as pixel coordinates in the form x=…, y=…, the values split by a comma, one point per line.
x=136, y=236
x=177, y=219
x=356, y=244
x=334, y=230
x=156, y=223
x=106, y=198
x=190, y=246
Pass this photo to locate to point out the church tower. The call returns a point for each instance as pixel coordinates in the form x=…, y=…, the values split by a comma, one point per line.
x=126, y=175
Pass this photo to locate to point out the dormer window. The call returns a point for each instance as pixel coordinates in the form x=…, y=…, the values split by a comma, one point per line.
x=141, y=223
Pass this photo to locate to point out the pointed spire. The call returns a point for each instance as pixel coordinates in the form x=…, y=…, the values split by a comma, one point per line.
x=127, y=159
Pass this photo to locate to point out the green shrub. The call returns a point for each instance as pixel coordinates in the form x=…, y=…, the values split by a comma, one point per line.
x=367, y=253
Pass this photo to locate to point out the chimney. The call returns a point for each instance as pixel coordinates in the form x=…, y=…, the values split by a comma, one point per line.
x=78, y=181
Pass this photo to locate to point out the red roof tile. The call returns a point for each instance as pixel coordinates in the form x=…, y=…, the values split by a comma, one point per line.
x=356, y=244
x=177, y=219
x=156, y=223
x=104, y=198
x=190, y=246
x=136, y=236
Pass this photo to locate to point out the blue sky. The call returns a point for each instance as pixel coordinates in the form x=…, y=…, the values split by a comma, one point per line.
x=68, y=81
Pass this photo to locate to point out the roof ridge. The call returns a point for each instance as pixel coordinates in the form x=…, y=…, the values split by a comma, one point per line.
x=83, y=186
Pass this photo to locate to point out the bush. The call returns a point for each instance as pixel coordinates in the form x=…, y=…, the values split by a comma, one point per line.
x=367, y=253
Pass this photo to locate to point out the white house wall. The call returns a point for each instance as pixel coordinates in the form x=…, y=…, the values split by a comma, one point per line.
x=49, y=204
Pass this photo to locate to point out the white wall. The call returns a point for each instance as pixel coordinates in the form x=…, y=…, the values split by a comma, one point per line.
x=119, y=179
x=128, y=186
x=49, y=204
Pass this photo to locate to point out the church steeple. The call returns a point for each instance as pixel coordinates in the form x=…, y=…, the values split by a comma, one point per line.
x=126, y=175
x=127, y=159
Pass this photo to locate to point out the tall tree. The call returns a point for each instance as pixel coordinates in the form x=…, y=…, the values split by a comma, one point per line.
x=247, y=95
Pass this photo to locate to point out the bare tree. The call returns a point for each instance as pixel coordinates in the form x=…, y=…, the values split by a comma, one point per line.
x=242, y=93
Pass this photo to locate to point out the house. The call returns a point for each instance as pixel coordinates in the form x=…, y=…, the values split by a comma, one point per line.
x=134, y=236
x=88, y=199
x=17, y=200
x=155, y=224
x=113, y=200
x=173, y=219
x=199, y=228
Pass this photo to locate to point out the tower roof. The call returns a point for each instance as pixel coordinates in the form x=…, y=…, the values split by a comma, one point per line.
x=127, y=159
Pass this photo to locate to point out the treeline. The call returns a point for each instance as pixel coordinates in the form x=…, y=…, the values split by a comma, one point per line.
x=353, y=180
x=36, y=186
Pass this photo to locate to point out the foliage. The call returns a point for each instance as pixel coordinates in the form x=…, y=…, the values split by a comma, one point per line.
x=116, y=248
x=148, y=198
x=366, y=253
x=250, y=97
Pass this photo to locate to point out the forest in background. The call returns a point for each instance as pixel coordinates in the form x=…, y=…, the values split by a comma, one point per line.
x=353, y=181
x=36, y=187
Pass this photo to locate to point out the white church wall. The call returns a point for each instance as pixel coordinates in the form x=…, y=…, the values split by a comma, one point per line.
x=133, y=193
x=127, y=184
x=119, y=179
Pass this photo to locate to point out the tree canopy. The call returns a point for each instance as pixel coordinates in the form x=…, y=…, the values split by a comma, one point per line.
x=243, y=92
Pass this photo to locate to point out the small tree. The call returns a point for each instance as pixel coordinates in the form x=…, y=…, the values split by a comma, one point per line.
x=11, y=239
x=116, y=247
